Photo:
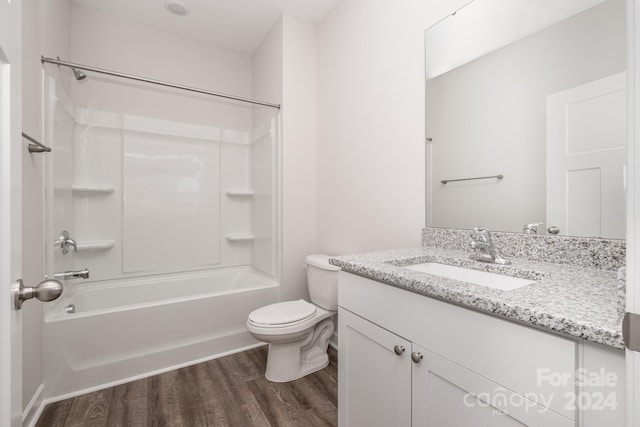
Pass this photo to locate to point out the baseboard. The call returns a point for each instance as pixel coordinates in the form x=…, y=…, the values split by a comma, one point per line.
x=33, y=410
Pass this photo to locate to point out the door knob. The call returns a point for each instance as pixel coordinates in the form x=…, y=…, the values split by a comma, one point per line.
x=416, y=357
x=45, y=291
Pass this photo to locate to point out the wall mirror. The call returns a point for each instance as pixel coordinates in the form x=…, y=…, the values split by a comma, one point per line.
x=533, y=91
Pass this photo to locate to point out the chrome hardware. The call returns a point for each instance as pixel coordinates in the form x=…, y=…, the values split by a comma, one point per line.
x=484, y=249
x=398, y=349
x=553, y=230
x=45, y=291
x=631, y=331
x=65, y=242
x=79, y=274
x=70, y=309
x=153, y=81
x=498, y=177
x=35, y=146
x=531, y=228
x=416, y=357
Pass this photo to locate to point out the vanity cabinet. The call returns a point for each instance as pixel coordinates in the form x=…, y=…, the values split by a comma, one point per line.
x=410, y=360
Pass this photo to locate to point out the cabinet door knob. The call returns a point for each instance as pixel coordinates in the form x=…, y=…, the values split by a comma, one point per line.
x=398, y=349
x=416, y=357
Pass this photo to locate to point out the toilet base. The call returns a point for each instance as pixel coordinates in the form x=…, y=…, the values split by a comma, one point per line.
x=288, y=362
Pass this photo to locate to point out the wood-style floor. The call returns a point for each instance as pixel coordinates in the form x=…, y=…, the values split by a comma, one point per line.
x=229, y=391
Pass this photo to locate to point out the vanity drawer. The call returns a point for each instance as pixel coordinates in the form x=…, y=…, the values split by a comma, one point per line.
x=528, y=361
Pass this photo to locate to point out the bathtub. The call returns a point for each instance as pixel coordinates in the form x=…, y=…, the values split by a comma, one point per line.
x=125, y=330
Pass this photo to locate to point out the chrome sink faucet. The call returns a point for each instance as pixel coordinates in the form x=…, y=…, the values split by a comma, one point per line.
x=484, y=249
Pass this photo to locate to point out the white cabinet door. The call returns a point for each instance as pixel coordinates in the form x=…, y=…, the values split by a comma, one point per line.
x=446, y=394
x=374, y=383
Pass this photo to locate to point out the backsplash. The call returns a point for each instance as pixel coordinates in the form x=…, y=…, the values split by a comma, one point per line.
x=603, y=254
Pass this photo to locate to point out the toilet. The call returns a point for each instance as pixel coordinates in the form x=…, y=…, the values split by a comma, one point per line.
x=298, y=332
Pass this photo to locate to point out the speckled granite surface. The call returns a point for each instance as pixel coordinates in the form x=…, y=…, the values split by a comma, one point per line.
x=606, y=254
x=570, y=299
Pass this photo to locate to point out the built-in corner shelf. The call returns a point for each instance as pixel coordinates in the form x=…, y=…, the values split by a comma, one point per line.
x=239, y=193
x=239, y=237
x=92, y=190
x=95, y=245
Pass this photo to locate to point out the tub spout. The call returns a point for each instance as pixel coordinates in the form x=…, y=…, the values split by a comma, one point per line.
x=79, y=274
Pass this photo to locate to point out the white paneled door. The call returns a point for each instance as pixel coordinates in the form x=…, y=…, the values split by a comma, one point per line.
x=586, y=155
x=10, y=213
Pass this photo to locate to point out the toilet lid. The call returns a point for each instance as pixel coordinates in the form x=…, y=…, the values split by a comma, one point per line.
x=283, y=313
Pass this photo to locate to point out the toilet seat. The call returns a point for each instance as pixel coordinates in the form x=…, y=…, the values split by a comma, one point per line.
x=283, y=314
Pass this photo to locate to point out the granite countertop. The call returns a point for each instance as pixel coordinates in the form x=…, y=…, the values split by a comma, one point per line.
x=568, y=299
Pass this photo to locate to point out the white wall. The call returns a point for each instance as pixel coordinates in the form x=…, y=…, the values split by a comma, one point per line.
x=106, y=41
x=267, y=67
x=299, y=148
x=45, y=32
x=267, y=86
x=285, y=72
x=371, y=164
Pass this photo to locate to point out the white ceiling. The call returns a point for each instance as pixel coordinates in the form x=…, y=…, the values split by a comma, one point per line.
x=238, y=25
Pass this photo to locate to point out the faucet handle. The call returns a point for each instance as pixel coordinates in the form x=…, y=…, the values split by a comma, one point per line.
x=531, y=228
x=65, y=242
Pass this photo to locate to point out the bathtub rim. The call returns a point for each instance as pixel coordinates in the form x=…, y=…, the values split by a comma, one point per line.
x=55, y=312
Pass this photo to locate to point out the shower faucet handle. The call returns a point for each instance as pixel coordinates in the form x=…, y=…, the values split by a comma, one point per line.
x=65, y=242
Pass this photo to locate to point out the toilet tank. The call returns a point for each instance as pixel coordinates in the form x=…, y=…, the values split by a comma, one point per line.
x=322, y=279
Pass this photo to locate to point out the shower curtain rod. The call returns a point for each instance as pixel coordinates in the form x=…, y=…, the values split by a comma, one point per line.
x=157, y=82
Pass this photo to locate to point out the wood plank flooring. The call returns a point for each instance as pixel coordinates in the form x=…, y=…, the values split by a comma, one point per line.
x=229, y=391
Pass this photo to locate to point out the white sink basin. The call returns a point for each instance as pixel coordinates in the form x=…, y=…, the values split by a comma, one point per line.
x=482, y=278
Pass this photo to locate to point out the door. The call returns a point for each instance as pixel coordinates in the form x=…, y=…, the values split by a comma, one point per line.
x=374, y=379
x=10, y=213
x=586, y=155
x=447, y=394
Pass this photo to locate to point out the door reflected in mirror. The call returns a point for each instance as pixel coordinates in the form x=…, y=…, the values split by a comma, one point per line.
x=534, y=90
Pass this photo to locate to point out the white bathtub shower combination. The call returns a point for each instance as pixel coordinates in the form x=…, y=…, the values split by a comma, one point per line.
x=178, y=225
